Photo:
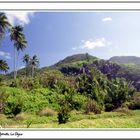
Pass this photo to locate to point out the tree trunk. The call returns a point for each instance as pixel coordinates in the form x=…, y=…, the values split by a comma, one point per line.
x=32, y=71
x=26, y=70
x=15, y=56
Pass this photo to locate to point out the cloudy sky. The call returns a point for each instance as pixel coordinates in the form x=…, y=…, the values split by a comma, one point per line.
x=54, y=35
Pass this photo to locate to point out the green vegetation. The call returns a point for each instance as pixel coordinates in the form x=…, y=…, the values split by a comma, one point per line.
x=18, y=38
x=80, y=91
x=77, y=120
x=52, y=97
x=3, y=66
x=4, y=25
x=53, y=94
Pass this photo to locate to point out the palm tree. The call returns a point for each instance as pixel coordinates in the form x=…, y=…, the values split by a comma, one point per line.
x=3, y=66
x=34, y=62
x=4, y=24
x=26, y=60
x=87, y=57
x=20, y=43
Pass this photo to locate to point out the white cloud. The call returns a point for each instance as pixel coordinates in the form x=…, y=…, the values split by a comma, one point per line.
x=98, y=43
x=107, y=19
x=5, y=55
x=19, y=17
x=21, y=67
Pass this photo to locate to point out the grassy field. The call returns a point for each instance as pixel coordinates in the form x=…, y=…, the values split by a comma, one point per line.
x=130, y=119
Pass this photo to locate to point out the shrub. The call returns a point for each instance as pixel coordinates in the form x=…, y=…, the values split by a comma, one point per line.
x=34, y=102
x=13, y=106
x=109, y=107
x=14, y=83
x=3, y=97
x=92, y=85
x=63, y=114
x=78, y=101
x=65, y=100
x=92, y=106
x=38, y=99
x=135, y=102
x=46, y=112
x=26, y=101
x=123, y=110
x=28, y=83
x=48, y=95
x=50, y=78
x=19, y=117
x=14, y=101
x=119, y=91
x=134, y=105
x=125, y=105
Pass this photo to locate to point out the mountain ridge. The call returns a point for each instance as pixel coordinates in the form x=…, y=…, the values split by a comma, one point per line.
x=132, y=60
x=76, y=64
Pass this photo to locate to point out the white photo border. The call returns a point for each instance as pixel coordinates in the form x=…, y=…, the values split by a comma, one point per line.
x=71, y=6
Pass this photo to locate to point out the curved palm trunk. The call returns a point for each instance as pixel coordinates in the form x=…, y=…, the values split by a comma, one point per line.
x=32, y=71
x=26, y=70
x=15, y=56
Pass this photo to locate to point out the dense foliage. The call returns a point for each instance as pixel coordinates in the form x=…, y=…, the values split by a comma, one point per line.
x=78, y=83
x=53, y=91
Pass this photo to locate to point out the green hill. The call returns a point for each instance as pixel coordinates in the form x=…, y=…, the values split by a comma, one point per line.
x=78, y=89
x=127, y=67
x=131, y=60
x=74, y=59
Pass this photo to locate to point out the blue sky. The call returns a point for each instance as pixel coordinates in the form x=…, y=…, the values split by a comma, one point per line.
x=54, y=35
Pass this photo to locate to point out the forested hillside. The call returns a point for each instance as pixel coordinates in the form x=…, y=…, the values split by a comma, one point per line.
x=78, y=91
x=130, y=60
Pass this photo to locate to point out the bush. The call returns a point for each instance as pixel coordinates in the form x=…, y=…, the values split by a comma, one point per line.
x=3, y=97
x=38, y=99
x=63, y=115
x=109, y=107
x=14, y=101
x=11, y=100
x=123, y=110
x=65, y=101
x=34, y=102
x=92, y=106
x=78, y=101
x=29, y=83
x=125, y=105
x=92, y=85
x=46, y=112
x=48, y=95
x=19, y=117
x=26, y=101
x=119, y=91
x=50, y=78
x=135, y=102
x=13, y=105
x=14, y=83
x=134, y=105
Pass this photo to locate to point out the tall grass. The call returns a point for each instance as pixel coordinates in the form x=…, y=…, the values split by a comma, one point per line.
x=77, y=120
